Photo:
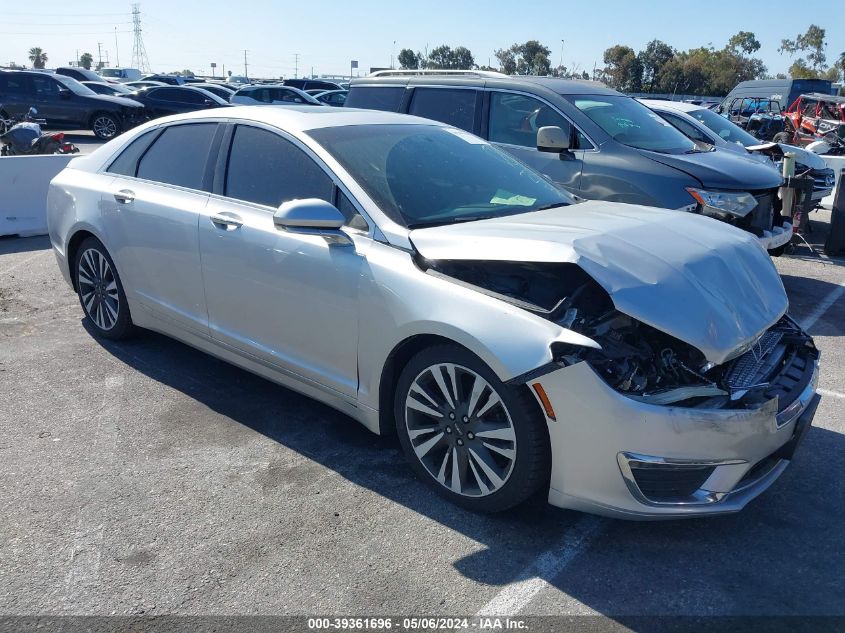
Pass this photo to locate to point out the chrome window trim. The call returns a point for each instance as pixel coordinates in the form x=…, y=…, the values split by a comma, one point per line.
x=593, y=150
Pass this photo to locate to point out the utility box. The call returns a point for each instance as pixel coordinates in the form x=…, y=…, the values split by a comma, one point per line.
x=835, y=243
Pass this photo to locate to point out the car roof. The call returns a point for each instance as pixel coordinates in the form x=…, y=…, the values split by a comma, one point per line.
x=671, y=105
x=555, y=84
x=301, y=118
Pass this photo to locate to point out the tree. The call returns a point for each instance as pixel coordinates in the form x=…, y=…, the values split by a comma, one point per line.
x=85, y=60
x=38, y=57
x=530, y=58
x=623, y=68
x=812, y=42
x=652, y=60
x=446, y=58
x=744, y=42
x=408, y=59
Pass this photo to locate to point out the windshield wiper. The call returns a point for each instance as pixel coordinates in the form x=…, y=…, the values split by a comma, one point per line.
x=552, y=206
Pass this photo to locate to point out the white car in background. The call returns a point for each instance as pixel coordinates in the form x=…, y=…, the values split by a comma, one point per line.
x=705, y=126
x=272, y=95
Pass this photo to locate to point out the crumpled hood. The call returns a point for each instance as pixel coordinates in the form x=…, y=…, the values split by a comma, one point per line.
x=695, y=278
x=722, y=170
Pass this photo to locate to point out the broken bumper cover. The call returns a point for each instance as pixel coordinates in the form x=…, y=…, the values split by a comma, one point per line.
x=778, y=236
x=618, y=457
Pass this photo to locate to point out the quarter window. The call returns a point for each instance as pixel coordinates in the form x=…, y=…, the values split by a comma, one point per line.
x=455, y=107
x=179, y=156
x=375, y=98
x=266, y=169
x=515, y=119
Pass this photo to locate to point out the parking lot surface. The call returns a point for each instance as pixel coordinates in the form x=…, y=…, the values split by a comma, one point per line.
x=144, y=477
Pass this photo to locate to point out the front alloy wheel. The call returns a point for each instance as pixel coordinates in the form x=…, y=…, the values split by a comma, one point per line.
x=477, y=441
x=105, y=127
x=460, y=430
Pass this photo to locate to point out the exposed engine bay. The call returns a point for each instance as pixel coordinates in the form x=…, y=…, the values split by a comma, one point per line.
x=636, y=359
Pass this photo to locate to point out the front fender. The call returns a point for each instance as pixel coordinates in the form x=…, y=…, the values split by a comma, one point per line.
x=399, y=301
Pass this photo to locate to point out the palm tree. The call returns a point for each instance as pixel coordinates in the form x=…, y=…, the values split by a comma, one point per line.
x=841, y=63
x=38, y=57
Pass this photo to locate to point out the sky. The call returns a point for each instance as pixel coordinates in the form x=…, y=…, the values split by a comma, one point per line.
x=284, y=39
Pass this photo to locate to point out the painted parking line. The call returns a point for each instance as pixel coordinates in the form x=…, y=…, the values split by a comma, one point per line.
x=545, y=568
x=832, y=394
x=832, y=297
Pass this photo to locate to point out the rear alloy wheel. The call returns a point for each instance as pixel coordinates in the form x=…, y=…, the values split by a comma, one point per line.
x=105, y=126
x=100, y=291
x=477, y=441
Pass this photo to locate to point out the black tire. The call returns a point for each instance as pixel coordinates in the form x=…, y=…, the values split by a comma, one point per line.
x=780, y=250
x=527, y=471
x=782, y=137
x=99, y=300
x=105, y=126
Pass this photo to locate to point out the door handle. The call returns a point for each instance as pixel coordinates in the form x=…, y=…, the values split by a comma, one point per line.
x=124, y=196
x=226, y=219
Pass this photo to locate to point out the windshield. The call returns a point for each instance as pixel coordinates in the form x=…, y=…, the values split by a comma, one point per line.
x=74, y=86
x=422, y=175
x=111, y=72
x=730, y=132
x=631, y=123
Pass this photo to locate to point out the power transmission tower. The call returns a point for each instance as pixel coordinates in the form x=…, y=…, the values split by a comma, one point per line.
x=139, y=52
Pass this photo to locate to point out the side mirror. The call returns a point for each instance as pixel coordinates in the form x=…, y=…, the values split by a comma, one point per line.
x=33, y=112
x=312, y=216
x=552, y=138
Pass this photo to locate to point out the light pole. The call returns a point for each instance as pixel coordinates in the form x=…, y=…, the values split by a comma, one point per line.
x=561, y=55
x=392, y=55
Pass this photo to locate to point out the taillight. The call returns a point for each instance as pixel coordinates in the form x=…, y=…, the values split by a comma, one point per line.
x=58, y=136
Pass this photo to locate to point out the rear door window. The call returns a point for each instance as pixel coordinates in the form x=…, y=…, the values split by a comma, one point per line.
x=126, y=164
x=179, y=156
x=267, y=169
x=386, y=98
x=452, y=106
x=515, y=119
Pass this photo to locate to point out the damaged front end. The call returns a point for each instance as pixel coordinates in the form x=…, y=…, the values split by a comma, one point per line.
x=636, y=359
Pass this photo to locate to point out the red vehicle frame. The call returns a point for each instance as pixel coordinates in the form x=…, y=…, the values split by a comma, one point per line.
x=813, y=115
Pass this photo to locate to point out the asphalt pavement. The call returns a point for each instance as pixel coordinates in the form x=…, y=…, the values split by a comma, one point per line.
x=144, y=477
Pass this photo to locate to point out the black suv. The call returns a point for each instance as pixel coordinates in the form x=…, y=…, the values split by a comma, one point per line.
x=64, y=102
x=311, y=84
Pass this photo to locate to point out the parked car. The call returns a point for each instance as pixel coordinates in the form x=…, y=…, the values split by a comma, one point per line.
x=279, y=95
x=165, y=100
x=332, y=97
x=705, y=126
x=137, y=85
x=103, y=88
x=616, y=149
x=224, y=92
x=630, y=361
x=121, y=75
x=784, y=91
x=309, y=84
x=80, y=74
x=759, y=116
x=66, y=103
x=237, y=80
x=170, y=80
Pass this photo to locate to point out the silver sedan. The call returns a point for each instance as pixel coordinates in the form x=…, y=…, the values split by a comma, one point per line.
x=626, y=360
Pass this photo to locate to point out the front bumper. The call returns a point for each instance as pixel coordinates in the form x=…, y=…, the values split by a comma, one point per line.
x=778, y=236
x=600, y=437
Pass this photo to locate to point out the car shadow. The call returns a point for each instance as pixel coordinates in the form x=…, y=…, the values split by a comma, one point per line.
x=10, y=244
x=806, y=293
x=783, y=553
